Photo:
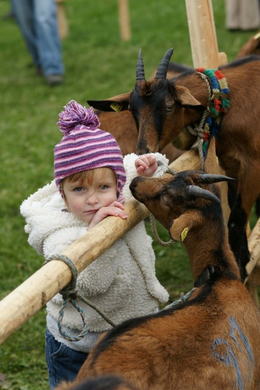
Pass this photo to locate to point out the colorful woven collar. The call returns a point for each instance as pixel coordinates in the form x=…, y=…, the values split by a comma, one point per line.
x=218, y=105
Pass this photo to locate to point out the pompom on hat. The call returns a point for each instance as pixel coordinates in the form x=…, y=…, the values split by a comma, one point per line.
x=84, y=146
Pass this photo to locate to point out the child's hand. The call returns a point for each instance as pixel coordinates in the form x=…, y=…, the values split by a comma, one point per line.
x=114, y=209
x=146, y=164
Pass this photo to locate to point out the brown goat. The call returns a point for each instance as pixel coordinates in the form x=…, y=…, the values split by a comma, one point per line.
x=122, y=125
x=252, y=46
x=163, y=109
x=208, y=340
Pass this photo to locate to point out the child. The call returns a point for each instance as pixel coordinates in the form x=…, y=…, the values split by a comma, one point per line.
x=90, y=184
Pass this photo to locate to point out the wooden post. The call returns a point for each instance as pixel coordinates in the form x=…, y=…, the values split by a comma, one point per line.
x=253, y=266
x=203, y=38
x=254, y=248
x=124, y=23
x=62, y=19
x=205, y=53
x=22, y=303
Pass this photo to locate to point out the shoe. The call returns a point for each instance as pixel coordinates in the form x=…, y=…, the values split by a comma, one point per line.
x=54, y=79
x=39, y=71
x=9, y=15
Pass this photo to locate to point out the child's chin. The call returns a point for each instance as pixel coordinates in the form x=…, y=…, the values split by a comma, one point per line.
x=87, y=219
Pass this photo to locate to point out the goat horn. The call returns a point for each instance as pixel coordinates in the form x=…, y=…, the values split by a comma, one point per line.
x=201, y=193
x=163, y=67
x=140, y=67
x=209, y=178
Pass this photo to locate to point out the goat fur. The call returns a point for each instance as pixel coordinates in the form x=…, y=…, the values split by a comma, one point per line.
x=252, y=46
x=164, y=108
x=211, y=340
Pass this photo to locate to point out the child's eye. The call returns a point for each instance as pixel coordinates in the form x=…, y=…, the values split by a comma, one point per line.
x=103, y=186
x=78, y=189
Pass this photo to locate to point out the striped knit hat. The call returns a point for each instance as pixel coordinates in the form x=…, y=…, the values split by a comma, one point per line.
x=84, y=146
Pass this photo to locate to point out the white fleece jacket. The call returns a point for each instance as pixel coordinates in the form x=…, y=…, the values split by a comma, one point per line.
x=121, y=282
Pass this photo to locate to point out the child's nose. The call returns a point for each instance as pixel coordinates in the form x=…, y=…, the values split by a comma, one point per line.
x=92, y=199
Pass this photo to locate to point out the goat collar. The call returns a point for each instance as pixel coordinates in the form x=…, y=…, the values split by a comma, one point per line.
x=206, y=275
x=218, y=105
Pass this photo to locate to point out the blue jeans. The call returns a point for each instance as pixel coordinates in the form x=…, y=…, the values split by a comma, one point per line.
x=37, y=20
x=63, y=362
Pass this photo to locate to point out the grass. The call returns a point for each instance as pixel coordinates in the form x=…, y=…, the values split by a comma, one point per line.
x=98, y=65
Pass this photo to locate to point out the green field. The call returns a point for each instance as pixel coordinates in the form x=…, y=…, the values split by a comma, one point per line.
x=98, y=65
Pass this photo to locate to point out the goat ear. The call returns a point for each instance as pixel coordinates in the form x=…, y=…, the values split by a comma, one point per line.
x=185, y=98
x=116, y=103
x=181, y=226
x=257, y=39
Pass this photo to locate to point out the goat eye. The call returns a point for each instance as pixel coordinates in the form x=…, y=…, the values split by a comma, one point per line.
x=169, y=107
x=165, y=200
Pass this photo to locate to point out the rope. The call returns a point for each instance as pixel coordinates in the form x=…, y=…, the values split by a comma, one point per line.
x=69, y=295
x=155, y=233
x=182, y=299
x=199, y=129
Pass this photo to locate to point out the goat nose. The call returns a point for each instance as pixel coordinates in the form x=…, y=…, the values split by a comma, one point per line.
x=141, y=147
x=142, y=150
x=133, y=184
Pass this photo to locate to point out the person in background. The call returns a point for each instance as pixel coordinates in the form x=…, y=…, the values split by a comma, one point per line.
x=92, y=182
x=242, y=15
x=37, y=20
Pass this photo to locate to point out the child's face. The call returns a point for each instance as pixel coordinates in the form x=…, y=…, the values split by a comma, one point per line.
x=85, y=197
